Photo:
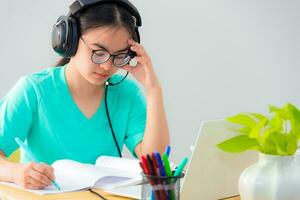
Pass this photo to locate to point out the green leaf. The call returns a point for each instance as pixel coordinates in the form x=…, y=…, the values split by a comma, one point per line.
x=258, y=116
x=280, y=140
x=294, y=111
x=274, y=109
x=239, y=144
x=275, y=134
x=244, y=130
x=270, y=147
x=242, y=119
x=292, y=147
x=255, y=133
x=282, y=112
x=275, y=122
x=295, y=123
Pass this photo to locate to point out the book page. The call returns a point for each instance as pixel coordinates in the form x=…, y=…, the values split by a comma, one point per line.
x=69, y=175
x=129, y=191
x=123, y=164
x=119, y=164
x=127, y=187
x=73, y=176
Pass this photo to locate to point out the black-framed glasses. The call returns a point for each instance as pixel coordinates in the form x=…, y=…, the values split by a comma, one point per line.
x=101, y=56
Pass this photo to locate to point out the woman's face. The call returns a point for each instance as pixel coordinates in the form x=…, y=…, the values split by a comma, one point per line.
x=112, y=39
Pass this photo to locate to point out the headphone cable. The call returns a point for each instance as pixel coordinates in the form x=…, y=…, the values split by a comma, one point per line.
x=107, y=112
x=96, y=193
x=110, y=124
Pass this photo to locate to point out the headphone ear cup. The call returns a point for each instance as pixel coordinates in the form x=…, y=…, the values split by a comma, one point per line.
x=59, y=35
x=137, y=35
x=73, y=38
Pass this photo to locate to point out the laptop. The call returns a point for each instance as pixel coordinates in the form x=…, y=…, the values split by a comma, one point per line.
x=212, y=173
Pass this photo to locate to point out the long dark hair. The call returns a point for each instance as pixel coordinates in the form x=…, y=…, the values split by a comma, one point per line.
x=100, y=15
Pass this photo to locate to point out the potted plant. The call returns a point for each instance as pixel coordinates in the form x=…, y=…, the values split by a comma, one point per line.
x=276, y=176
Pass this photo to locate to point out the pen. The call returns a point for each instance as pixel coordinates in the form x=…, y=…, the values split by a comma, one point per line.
x=167, y=164
x=152, y=172
x=168, y=173
x=155, y=165
x=168, y=149
x=144, y=165
x=146, y=169
x=180, y=167
x=162, y=169
x=146, y=172
x=160, y=164
x=150, y=165
x=32, y=157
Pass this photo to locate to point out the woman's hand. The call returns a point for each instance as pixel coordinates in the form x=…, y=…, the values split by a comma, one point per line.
x=34, y=176
x=143, y=71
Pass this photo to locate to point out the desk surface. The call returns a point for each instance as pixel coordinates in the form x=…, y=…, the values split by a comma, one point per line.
x=11, y=193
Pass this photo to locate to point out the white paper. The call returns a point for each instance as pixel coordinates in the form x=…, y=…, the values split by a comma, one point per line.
x=128, y=165
x=74, y=176
x=129, y=191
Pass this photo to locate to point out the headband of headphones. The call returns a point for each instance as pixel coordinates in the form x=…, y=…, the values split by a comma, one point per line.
x=65, y=33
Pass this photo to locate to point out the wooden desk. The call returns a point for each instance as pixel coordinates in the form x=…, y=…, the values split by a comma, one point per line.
x=11, y=193
x=232, y=198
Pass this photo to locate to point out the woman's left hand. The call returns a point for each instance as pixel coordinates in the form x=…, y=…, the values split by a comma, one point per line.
x=143, y=72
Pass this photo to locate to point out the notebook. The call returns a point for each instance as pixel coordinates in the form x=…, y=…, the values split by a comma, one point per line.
x=120, y=176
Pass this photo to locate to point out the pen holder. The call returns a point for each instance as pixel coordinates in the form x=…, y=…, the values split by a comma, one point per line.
x=161, y=187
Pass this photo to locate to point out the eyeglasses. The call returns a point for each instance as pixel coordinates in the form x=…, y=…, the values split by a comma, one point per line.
x=101, y=56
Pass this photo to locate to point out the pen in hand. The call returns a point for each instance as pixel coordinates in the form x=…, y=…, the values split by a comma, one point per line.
x=33, y=158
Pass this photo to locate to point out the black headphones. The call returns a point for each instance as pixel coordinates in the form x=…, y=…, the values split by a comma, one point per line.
x=65, y=33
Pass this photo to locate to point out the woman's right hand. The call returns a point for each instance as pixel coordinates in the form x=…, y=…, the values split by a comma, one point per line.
x=34, y=175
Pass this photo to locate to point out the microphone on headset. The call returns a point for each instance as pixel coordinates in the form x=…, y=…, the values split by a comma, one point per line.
x=108, y=83
x=133, y=63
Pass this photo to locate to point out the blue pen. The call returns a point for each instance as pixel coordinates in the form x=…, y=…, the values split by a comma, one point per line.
x=162, y=171
x=168, y=149
x=31, y=156
x=160, y=164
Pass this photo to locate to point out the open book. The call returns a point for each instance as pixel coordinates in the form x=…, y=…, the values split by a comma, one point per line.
x=119, y=176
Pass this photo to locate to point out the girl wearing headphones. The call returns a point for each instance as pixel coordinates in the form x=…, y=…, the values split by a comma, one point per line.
x=80, y=109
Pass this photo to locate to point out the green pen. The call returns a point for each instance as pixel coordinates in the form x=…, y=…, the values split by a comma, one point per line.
x=32, y=157
x=168, y=173
x=167, y=164
x=181, y=167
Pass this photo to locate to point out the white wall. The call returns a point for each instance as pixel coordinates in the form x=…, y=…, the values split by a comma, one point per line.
x=214, y=58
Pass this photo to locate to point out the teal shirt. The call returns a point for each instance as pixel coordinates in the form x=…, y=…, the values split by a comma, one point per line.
x=40, y=110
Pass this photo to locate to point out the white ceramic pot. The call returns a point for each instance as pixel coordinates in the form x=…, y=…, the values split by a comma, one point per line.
x=271, y=178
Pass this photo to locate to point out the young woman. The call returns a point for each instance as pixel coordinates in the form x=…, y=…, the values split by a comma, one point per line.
x=72, y=111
